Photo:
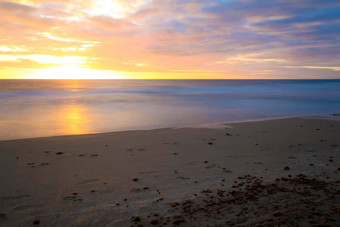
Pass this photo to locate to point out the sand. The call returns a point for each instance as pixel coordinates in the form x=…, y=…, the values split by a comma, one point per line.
x=274, y=172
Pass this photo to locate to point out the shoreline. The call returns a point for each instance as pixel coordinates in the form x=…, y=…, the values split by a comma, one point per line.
x=259, y=172
x=207, y=125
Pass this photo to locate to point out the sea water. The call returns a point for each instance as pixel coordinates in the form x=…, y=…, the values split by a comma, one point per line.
x=37, y=108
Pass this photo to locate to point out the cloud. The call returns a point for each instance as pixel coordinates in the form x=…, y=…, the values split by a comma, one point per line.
x=337, y=68
x=243, y=38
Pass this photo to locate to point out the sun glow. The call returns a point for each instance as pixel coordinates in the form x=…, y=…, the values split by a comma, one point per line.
x=115, y=9
x=74, y=119
x=74, y=71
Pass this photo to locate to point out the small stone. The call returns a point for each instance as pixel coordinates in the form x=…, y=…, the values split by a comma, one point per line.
x=206, y=191
x=154, y=221
x=177, y=221
x=135, y=219
x=36, y=221
x=59, y=153
x=135, y=179
x=174, y=204
x=277, y=214
x=286, y=168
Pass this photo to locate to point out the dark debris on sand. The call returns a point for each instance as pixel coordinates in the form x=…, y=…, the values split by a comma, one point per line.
x=36, y=221
x=74, y=197
x=288, y=201
x=3, y=216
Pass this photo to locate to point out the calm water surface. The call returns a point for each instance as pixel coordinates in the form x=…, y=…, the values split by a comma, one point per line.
x=35, y=108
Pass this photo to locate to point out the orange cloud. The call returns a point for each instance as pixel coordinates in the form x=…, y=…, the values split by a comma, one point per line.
x=143, y=39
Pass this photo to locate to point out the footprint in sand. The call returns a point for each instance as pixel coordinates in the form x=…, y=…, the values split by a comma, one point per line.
x=226, y=170
x=182, y=178
x=87, y=181
x=173, y=143
x=44, y=164
x=74, y=197
x=26, y=207
x=148, y=172
x=310, y=150
x=136, y=190
x=258, y=163
x=15, y=197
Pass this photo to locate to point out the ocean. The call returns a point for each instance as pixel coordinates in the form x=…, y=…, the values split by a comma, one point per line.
x=39, y=108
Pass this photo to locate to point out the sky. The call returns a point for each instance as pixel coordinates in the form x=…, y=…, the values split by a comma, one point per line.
x=170, y=39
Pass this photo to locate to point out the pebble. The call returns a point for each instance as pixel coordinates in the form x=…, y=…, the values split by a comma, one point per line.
x=154, y=221
x=136, y=219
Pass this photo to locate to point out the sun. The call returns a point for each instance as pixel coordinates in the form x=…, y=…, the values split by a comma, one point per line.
x=74, y=71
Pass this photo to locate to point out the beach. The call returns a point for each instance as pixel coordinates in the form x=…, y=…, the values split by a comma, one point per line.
x=270, y=172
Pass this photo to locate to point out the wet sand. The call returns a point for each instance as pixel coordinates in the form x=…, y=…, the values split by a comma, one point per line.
x=274, y=172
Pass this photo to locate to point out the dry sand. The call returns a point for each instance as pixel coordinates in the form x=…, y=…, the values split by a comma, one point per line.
x=275, y=172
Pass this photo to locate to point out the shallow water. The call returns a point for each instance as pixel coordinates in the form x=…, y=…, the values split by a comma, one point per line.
x=35, y=108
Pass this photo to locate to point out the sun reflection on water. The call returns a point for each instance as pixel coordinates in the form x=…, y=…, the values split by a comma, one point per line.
x=74, y=120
